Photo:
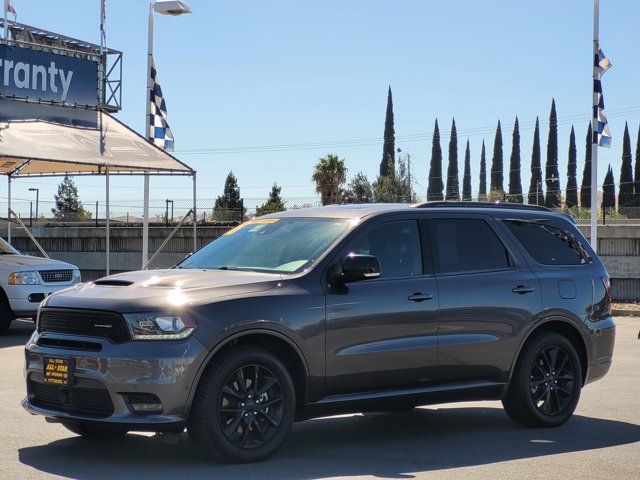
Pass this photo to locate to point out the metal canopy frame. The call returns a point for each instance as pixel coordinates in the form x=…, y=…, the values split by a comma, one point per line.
x=102, y=169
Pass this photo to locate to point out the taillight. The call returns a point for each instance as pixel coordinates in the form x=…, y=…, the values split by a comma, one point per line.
x=606, y=281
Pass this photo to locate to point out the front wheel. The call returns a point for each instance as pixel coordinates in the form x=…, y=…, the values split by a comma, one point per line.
x=244, y=406
x=545, y=387
x=6, y=314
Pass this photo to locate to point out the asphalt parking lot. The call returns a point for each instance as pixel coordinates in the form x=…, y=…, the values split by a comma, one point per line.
x=456, y=441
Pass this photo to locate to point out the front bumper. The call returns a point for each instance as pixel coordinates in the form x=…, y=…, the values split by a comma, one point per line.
x=24, y=299
x=166, y=369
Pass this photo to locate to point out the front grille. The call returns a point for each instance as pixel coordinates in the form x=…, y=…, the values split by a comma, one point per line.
x=56, y=276
x=87, y=401
x=91, y=323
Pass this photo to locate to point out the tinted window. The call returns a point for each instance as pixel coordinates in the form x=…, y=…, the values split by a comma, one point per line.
x=397, y=246
x=547, y=244
x=466, y=245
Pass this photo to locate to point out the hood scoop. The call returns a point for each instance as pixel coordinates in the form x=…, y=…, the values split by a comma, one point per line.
x=113, y=283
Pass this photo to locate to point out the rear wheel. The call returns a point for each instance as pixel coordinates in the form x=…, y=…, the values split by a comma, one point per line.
x=244, y=406
x=92, y=430
x=545, y=387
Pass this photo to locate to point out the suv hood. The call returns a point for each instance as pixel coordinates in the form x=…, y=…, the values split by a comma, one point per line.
x=32, y=263
x=157, y=289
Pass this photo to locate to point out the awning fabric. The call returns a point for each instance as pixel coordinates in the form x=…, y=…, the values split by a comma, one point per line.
x=53, y=147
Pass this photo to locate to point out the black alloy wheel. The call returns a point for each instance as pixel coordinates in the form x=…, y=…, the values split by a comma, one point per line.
x=552, y=381
x=545, y=385
x=244, y=406
x=251, y=406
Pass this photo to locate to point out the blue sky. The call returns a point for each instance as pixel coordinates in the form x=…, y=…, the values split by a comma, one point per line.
x=260, y=73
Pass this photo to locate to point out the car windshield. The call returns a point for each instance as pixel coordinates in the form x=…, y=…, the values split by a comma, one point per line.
x=6, y=249
x=284, y=245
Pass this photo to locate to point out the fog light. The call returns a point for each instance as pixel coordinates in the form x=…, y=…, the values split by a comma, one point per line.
x=142, y=402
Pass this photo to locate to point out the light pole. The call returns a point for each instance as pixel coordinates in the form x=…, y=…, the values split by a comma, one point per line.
x=173, y=8
x=37, y=190
x=539, y=183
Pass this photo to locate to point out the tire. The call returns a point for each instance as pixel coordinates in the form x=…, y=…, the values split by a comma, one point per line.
x=94, y=431
x=546, y=383
x=6, y=314
x=232, y=423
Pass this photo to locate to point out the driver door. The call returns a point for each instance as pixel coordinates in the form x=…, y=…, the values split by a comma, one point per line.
x=382, y=332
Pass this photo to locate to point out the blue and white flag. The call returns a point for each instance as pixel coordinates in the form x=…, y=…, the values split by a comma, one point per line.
x=602, y=135
x=159, y=131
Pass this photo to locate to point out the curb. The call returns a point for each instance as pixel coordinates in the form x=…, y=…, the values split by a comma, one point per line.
x=625, y=313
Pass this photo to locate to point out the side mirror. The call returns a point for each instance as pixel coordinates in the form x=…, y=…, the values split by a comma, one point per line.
x=357, y=267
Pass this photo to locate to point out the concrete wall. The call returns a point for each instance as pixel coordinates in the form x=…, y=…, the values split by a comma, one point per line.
x=85, y=246
x=618, y=246
x=619, y=249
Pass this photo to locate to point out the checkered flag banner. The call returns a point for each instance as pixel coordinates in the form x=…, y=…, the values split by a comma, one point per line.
x=602, y=135
x=159, y=131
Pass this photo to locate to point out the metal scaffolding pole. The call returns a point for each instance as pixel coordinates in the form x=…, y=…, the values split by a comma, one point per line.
x=9, y=208
x=107, y=232
x=195, y=217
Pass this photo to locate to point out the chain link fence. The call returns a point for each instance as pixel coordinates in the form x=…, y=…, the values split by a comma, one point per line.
x=167, y=212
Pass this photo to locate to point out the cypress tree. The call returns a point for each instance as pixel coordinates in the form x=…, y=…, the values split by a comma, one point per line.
x=552, y=174
x=482, y=191
x=536, y=194
x=585, y=189
x=497, y=162
x=608, y=191
x=636, y=175
x=229, y=206
x=435, y=187
x=388, y=148
x=515, y=183
x=626, y=172
x=466, y=177
x=572, y=167
x=453, y=185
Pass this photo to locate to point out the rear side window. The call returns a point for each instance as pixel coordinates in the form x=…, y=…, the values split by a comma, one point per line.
x=547, y=244
x=466, y=245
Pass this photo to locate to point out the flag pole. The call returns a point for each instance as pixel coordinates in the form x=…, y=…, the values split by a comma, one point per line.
x=145, y=204
x=594, y=132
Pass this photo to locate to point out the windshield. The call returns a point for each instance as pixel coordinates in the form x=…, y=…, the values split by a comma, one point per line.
x=6, y=249
x=283, y=245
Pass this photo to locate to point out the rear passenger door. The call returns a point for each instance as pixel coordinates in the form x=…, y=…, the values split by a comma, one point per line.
x=487, y=294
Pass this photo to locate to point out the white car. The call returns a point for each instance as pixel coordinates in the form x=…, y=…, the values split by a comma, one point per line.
x=25, y=281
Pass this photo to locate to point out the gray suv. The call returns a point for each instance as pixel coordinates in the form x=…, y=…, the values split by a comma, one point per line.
x=330, y=310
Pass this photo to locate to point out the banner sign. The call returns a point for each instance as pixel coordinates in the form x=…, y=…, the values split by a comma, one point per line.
x=36, y=75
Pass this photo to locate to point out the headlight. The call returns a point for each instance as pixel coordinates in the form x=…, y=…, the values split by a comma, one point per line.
x=76, y=276
x=155, y=326
x=24, y=278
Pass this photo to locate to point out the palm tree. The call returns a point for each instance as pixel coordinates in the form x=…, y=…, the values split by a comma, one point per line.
x=330, y=175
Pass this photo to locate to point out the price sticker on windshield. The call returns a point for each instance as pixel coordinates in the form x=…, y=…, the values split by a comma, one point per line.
x=255, y=221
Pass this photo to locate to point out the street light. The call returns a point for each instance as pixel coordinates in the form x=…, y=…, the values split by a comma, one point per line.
x=172, y=8
x=37, y=190
x=539, y=183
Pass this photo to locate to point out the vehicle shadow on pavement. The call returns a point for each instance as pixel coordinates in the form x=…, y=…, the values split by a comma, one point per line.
x=386, y=446
x=18, y=333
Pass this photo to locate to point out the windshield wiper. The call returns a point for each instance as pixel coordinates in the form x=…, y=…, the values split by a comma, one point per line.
x=240, y=269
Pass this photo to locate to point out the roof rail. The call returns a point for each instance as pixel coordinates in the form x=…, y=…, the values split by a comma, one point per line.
x=506, y=205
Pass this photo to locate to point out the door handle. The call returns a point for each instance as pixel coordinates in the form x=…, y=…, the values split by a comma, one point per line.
x=522, y=289
x=419, y=297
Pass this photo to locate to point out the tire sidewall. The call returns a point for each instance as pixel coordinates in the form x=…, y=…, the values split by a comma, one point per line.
x=544, y=341
x=214, y=437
